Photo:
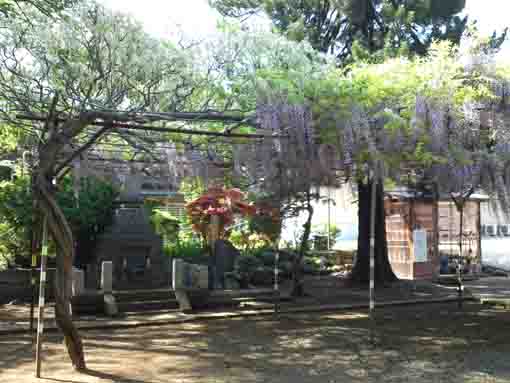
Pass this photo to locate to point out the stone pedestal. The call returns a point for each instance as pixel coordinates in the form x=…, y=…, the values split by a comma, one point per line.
x=107, y=277
x=183, y=299
x=78, y=286
x=187, y=278
x=110, y=305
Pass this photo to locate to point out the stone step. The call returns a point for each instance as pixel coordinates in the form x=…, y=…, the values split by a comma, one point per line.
x=140, y=295
x=160, y=300
x=150, y=312
x=147, y=305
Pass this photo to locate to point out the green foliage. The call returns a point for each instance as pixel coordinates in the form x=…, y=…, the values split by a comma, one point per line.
x=192, y=188
x=189, y=250
x=88, y=215
x=320, y=234
x=265, y=225
x=165, y=224
x=92, y=211
x=9, y=138
x=15, y=219
x=168, y=226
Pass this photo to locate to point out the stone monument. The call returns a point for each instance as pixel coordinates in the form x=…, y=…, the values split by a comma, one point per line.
x=135, y=250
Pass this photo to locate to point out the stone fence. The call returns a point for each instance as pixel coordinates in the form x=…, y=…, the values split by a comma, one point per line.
x=15, y=285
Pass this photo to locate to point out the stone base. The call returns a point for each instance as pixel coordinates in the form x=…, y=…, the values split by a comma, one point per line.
x=110, y=306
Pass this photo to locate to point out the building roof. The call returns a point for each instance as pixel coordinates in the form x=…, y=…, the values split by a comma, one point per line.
x=405, y=193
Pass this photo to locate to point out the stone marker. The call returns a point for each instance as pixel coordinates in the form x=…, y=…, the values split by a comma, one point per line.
x=107, y=277
x=186, y=277
x=203, y=280
x=110, y=305
x=183, y=299
x=177, y=274
x=179, y=284
x=78, y=286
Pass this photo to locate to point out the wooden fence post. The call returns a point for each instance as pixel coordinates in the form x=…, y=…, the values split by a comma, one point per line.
x=42, y=285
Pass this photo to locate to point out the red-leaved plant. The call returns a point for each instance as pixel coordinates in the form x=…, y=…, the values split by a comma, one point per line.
x=221, y=202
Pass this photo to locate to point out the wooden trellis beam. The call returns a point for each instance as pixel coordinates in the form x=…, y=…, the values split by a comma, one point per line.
x=151, y=128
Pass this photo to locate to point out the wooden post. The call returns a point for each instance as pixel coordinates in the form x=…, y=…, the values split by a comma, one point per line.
x=276, y=291
x=32, y=286
x=435, y=223
x=460, y=262
x=479, y=239
x=42, y=285
x=329, y=218
x=373, y=204
x=33, y=248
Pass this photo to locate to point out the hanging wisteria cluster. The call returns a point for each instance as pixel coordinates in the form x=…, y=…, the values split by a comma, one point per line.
x=292, y=161
x=440, y=147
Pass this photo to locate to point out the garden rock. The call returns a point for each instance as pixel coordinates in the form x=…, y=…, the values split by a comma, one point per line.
x=232, y=281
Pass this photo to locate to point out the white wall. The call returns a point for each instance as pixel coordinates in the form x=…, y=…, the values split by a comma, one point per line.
x=495, y=249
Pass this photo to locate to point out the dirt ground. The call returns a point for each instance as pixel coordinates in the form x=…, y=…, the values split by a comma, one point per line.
x=428, y=343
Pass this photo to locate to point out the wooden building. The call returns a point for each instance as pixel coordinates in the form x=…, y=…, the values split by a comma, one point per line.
x=420, y=230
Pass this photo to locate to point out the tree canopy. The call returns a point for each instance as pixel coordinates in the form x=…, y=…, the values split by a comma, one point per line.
x=18, y=8
x=358, y=28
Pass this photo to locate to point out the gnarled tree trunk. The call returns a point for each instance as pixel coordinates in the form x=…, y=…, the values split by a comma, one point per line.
x=56, y=138
x=383, y=270
x=61, y=233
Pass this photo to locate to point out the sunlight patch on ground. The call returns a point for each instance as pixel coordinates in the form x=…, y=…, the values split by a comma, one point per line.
x=344, y=316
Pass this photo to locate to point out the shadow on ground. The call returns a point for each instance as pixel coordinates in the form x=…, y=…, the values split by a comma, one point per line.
x=432, y=343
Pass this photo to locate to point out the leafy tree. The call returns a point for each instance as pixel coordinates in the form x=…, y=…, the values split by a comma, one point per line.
x=360, y=28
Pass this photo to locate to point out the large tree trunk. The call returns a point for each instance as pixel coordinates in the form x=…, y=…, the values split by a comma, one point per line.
x=61, y=233
x=57, y=137
x=297, y=267
x=383, y=271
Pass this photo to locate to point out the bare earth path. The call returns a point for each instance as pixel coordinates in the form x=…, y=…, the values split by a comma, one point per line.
x=429, y=343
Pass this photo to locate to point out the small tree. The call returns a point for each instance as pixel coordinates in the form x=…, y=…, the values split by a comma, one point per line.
x=221, y=203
